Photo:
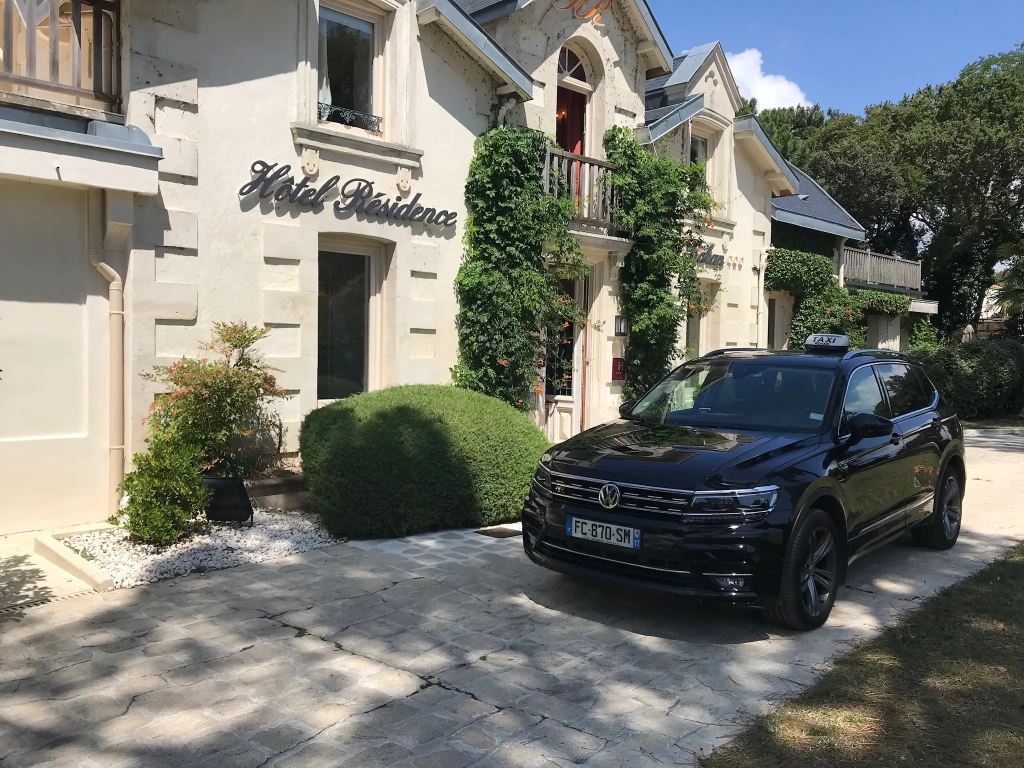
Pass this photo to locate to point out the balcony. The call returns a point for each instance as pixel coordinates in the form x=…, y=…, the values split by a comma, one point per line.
x=584, y=180
x=64, y=51
x=864, y=269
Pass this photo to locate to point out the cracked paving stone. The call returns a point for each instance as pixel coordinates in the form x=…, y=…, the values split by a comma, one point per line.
x=447, y=758
x=379, y=757
x=281, y=738
x=426, y=729
x=314, y=755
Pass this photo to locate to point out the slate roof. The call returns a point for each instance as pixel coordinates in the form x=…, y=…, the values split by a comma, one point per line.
x=815, y=209
x=688, y=63
x=472, y=6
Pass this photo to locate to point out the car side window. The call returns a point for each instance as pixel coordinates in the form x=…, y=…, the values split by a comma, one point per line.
x=904, y=389
x=863, y=395
x=926, y=384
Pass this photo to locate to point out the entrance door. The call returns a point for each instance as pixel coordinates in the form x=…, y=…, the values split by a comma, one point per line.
x=343, y=305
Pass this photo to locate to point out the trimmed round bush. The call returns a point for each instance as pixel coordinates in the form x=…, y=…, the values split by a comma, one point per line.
x=418, y=458
x=981, y=379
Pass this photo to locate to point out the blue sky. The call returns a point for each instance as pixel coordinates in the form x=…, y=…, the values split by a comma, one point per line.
x=841, y=53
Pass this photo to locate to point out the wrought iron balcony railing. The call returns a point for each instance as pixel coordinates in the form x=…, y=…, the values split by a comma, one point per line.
x=584, y=180
x=332, y=114
x=61, y=50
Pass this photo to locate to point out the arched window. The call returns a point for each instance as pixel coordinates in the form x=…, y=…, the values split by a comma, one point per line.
x=569, y=65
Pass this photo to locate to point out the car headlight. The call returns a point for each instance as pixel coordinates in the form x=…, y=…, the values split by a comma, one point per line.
x=741, y=506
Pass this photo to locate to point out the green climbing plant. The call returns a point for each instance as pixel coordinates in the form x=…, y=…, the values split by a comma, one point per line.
x=821, y=305
x=658, y=285
x=519, y=249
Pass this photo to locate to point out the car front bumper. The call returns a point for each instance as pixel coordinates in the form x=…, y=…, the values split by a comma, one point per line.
x=677, y=557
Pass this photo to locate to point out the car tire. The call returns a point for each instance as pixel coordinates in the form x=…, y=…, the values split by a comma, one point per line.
x=942, y=528
x=810, y=574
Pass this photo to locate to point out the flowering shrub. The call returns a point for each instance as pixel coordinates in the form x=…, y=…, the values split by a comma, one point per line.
x=216, y=420
x=221, y=406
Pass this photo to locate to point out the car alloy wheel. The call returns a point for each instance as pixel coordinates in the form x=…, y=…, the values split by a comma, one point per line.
x=942, y=528
x=810, y=573
x=951, y=507
x=818, y=577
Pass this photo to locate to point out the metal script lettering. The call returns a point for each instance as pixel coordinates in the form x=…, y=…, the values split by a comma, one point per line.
x=273, y=181
x=580, y=9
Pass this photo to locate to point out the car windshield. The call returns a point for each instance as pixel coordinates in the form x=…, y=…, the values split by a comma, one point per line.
x=740, y=394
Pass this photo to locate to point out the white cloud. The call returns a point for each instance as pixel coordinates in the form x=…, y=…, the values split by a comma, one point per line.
x=770, y=90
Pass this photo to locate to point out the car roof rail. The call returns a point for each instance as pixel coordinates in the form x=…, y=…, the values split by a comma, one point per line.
x=720, y=352
x=885, y=353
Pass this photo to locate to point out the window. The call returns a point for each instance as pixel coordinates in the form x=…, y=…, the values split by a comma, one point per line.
x=863, y=395
x=346, y=60
x=773, y=308
x=569, y=65
x=905, y=393
x=698, y=149
x=342, y=342
x=926, y=385
x=740, y=394
x=559, y=366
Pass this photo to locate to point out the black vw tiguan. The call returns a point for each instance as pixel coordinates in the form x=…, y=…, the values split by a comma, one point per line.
x=755, y=477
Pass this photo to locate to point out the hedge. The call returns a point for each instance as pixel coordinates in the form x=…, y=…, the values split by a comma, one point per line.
x=981, y=379
x=417, y=458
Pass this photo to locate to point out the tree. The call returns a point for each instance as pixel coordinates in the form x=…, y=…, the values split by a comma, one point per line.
x=937, y=176
x=789, y=128
x=747, y=107
x=860, y=162
x=1011, y=280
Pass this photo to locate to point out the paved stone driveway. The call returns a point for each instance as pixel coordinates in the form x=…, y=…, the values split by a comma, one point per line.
x=441, y=650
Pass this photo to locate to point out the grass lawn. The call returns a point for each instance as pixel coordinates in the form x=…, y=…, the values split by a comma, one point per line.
x=945, y=687
x=1003, y=423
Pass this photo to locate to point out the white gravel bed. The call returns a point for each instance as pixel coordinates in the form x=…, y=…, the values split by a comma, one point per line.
x=275, y=533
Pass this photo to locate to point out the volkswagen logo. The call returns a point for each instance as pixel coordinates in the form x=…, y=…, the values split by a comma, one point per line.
x=610, y=496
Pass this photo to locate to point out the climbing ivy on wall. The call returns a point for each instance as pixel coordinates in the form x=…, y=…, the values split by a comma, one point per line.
x=821, y=305
x=659, y=281
x=518, y=250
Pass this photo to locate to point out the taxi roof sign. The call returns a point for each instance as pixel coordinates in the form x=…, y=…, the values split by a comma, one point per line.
x=828, y=342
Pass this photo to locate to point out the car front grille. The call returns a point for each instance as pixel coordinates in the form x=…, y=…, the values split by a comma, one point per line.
x=636, y=498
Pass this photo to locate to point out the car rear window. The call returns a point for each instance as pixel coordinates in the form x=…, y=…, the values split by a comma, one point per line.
x=740, y=394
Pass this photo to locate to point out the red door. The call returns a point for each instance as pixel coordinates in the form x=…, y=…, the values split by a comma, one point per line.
x=570, y=134
x=572, y=116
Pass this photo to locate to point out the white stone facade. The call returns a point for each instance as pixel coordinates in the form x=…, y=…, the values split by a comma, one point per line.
x=216, y=87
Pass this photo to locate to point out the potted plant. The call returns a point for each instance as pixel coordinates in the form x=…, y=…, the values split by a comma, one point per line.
x=221, y=406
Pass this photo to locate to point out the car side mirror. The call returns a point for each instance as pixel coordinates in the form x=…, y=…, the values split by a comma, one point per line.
x=864, y=425
x=626, y=407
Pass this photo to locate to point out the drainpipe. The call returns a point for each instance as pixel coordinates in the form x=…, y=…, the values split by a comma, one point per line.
x=115, y=429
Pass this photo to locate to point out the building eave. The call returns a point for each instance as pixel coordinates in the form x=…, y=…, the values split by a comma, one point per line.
x=749, y=132
x=668, y=123
x=818, y=225
x=480, y=45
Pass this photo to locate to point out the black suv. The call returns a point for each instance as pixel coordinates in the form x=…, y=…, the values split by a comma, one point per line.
x=755, y=477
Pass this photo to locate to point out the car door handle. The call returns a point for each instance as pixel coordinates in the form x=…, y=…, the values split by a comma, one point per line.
x=895, y=439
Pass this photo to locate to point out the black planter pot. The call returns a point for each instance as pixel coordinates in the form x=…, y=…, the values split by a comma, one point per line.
x=230, y=502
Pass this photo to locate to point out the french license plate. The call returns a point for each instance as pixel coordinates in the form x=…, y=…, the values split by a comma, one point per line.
x=619, y=535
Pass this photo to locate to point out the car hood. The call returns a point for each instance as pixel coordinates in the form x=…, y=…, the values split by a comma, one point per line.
x=687, y=458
